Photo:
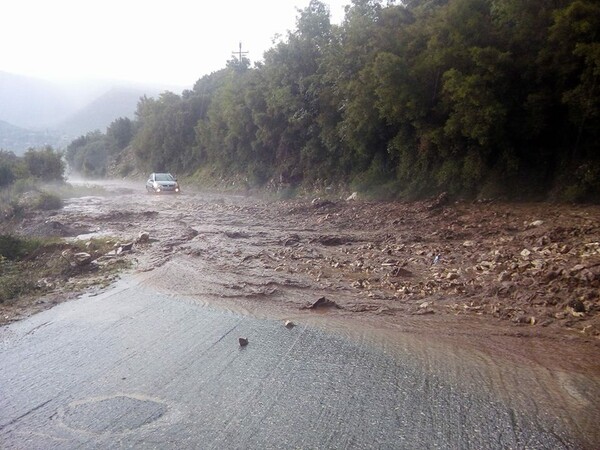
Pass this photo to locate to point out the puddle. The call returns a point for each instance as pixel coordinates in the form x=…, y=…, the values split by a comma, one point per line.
x=112, y=414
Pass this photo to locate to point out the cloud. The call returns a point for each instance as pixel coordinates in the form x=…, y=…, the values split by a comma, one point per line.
x=175, y=41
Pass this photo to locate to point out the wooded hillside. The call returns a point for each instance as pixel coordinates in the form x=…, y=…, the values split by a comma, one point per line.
x=480, y=98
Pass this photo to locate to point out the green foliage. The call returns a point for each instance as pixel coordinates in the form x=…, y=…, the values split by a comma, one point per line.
x=6, y=175
x=48, y=201
x=12, y=247
x=475, y=97
x=45, y=164
x=89, y=154
x=119, y=134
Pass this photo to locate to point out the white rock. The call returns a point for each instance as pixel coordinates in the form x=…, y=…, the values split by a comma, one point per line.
x=82, y=258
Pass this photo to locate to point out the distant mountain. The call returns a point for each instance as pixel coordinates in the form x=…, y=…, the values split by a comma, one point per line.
x=37, y=111
x=97, y=115
x=18, y=140
x=31, y=103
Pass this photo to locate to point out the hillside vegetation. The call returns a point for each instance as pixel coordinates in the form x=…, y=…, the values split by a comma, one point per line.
x=478, y=98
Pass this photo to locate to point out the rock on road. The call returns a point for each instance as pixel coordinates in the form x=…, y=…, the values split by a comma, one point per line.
x=155, y=361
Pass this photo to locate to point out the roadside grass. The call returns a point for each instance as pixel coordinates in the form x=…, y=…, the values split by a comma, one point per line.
x=37, y=266
x=31, y=195
x=34, y=267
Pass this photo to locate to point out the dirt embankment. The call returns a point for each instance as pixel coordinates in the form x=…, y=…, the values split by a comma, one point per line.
x=531, y=268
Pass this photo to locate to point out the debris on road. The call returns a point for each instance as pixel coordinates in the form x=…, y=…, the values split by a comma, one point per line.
x=322, y=302
x=503, y=262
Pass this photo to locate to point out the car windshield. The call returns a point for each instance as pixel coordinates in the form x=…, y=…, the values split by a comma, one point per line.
x=164, y=177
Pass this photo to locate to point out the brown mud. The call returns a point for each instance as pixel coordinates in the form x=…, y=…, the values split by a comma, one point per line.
x=509, y=289
x=523, y=269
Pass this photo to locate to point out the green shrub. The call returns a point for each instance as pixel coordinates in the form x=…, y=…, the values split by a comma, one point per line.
x=47, y=201
x=12, y=247
x=13, y=285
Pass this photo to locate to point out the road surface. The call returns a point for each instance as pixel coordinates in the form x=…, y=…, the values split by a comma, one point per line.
x=131, y=368
x=154, y=360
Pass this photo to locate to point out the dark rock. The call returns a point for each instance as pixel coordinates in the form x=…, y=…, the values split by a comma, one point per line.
x=440, y=201
x=331, y=241
x=401, y=272
x=577, y=305
x=323, y=302
x=143, y=237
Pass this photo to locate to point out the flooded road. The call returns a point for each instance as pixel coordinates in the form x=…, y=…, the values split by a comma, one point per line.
x=131, y=368
x=154, y=361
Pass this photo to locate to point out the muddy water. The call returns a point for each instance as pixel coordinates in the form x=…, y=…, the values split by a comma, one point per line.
x=246, y=255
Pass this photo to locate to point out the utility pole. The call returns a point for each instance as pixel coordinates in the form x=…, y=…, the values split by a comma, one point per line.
x=239, y=53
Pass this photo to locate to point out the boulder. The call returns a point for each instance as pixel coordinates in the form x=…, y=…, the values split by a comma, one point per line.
x=82, y=258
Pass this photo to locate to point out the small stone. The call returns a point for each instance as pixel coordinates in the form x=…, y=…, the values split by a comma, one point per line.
x=144, y=236
x=536, y=223
x=353, y=196
x=504, y=276
x=243, y=341
x=577, y=305
x=525, y=253
x=452, y=276
x=289, y=324
x=401, y=272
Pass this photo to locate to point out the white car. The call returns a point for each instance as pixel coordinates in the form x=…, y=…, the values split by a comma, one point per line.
x=162, y=183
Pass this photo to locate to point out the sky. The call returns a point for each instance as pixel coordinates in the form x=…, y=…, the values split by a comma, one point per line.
x=167, y=42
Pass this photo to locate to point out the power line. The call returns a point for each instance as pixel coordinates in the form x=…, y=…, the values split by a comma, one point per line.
x=239, y=53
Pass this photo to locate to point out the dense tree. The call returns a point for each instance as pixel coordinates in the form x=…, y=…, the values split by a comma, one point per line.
x=165, y=136
x=475, y=97
x=89, y=155
x=119, y=134
x=45, y=164
x=8, y=163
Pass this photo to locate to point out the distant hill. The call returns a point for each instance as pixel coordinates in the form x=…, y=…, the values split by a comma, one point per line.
x=18, y=140
x=32, y=103
x=97, y=115
x=34, y=112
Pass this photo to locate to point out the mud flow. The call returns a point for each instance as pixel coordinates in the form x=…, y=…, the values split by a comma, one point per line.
x=509, y=292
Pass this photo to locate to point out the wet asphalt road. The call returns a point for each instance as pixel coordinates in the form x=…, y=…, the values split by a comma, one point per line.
x=133, y=369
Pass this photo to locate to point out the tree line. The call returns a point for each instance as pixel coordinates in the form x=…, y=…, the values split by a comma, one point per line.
x=473, y=97
x=37, y=165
